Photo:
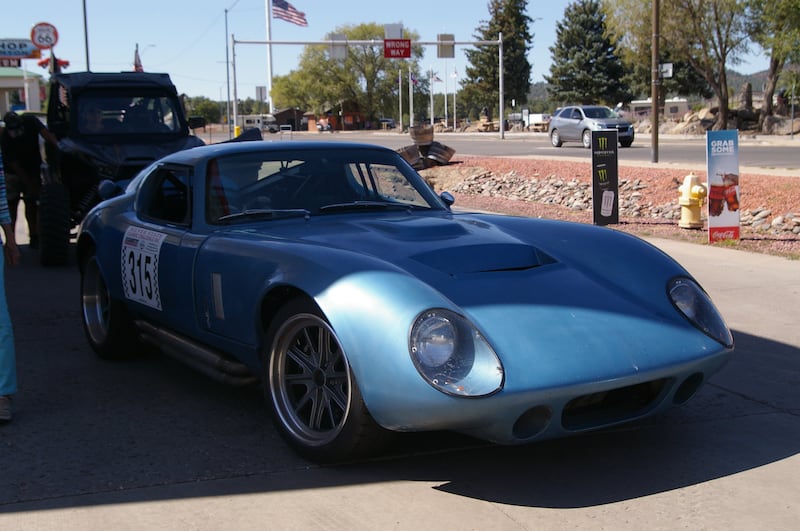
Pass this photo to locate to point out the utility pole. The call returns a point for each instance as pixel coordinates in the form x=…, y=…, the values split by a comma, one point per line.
x=656, y=81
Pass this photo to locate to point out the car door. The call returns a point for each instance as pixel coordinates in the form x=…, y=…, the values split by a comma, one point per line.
x=572, y=124
x=157, y=249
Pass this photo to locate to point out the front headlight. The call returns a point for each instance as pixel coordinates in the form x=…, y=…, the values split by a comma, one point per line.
x=697, y=307
x=453, y=356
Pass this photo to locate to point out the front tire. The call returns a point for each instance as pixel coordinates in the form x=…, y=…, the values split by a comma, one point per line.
x=106, y=323
x=313, y=395
x=626, y=142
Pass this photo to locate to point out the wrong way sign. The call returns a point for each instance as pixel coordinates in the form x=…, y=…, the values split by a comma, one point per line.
x=397, y=48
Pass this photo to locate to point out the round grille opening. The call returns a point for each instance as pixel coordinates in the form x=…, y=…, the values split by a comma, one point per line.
x=688, y=388
x=532, y=422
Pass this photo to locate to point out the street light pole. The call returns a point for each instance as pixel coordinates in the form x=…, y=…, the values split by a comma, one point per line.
x=228, y=77
x=86, y=37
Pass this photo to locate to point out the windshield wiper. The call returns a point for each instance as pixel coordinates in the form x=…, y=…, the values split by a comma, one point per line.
x=365, y=205
x=264, y=213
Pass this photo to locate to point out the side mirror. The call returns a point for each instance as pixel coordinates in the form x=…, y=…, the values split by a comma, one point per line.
x=447, y=198
x=108, y=189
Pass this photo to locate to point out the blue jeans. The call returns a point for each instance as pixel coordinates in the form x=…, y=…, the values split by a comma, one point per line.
x=8, y=359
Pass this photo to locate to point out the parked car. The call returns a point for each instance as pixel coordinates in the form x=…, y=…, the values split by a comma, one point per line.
x=334, y=275
x=110, y=126
x=576, y=123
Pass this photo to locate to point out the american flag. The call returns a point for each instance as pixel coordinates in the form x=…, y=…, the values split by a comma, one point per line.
x=137, y=61
x=285, y=11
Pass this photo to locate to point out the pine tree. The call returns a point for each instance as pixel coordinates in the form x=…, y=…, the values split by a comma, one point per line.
x=585, y=67
x=481, y=84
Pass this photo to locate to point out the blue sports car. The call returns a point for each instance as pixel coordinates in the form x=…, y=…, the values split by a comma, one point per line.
x=335, y=276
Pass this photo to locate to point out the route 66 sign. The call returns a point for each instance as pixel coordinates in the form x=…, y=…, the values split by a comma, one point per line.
x=44, y=35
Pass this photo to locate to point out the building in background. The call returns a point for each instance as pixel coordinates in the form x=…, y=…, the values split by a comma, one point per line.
x=20, y=90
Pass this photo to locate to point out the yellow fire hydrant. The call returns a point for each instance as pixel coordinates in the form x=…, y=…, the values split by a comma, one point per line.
x=693, y=195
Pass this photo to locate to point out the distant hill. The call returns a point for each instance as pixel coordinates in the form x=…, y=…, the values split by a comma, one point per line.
x=538, y=98
x=757, y=80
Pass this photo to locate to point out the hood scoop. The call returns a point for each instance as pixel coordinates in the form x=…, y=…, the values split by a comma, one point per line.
x=485, y=258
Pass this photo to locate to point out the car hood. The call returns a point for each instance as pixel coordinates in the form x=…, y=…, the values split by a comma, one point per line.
x=432, y=245
x=612, y=122
x=454, y=251
x=130, y=152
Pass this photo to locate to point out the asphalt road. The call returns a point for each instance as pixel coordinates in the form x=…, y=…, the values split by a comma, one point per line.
x=150, y=444
x=757, y=154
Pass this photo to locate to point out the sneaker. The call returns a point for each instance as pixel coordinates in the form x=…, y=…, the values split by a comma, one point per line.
x=5, y=408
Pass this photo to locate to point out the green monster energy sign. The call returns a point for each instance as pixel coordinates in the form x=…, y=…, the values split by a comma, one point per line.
x=605, y=177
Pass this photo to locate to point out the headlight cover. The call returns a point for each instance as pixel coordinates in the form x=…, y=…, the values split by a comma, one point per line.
x=691, y=301
x=452, y=355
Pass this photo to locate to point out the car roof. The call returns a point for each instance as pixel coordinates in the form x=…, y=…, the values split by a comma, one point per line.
x=80, y=80
x=201, y=153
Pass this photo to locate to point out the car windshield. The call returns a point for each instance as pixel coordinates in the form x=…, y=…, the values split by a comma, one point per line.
x=273, y=184
x=104, y=114
x=599, y=112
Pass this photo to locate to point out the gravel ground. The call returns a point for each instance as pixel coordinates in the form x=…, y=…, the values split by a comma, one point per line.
x=778, y=194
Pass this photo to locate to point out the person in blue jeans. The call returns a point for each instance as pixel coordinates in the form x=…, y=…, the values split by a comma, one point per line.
x=8, y=361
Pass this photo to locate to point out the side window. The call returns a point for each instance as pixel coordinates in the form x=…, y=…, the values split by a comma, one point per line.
x=382, y=182
x=164, y=196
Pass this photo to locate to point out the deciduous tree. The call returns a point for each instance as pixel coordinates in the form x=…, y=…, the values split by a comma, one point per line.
x=364, y=80
x=630, y=22
x=775, y=27
x=710, y=35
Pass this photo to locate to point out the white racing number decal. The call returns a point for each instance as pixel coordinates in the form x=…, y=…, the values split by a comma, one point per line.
x=140, y=252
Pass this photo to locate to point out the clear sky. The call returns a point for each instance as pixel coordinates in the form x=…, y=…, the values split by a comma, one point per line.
x=187, y=38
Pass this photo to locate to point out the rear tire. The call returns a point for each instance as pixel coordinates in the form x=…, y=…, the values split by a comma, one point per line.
x=107, y=324
x=555, y=138
x=308, y=385
x=626, y=142
x=54, y=224
x=586, y=139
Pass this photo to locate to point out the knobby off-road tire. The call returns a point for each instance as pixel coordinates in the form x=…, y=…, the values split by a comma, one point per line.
x=54, y=224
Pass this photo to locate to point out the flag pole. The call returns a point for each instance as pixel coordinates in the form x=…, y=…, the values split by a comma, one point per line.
x=400, y=95
x=446, y=118
x=455, y=91
x=235, y=92
x=431, y=84
x=410, y=99
x=269, y=52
